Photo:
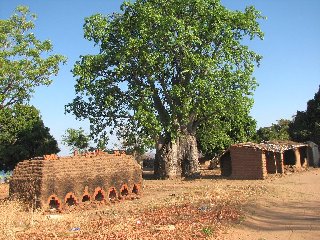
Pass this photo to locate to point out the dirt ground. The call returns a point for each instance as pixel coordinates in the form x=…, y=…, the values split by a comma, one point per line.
x=290, y=210
x=285, y=207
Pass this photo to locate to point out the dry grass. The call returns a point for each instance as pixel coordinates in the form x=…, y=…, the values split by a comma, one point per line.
x=199, y=209
x=16, y=218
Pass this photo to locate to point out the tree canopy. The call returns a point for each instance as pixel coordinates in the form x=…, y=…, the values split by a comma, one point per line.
x=23, y=136
x=164, y=68
x=306, y=124
x=24, y=60
x=277, y=131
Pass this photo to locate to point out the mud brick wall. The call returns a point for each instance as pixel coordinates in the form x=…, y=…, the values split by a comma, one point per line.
x=26, y=182
x=58, y=182
x=247, y=163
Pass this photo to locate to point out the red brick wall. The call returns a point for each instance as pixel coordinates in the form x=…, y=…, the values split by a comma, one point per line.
x=247, y=163
x=26, y=181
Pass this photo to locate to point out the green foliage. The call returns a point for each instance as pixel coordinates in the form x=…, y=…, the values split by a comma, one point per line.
x=299, y=128
x=306, y=124
x=166, y=67
x=23, y=136
x=236, y=126
x=76, y=139
x=133, y=141
x=25, y=63
x=24, y=60
x=278, y=131
x=208, y=231
x=14, y=120
x=102, y=142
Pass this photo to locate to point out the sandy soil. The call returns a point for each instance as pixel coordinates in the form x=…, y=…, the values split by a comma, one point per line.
x=4, y=190
x=290, y=210
x=285, y=207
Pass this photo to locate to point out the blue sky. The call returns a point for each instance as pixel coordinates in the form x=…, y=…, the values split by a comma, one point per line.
x=288, y=77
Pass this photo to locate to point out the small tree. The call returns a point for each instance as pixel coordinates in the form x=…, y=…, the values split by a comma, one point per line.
x=132, y=141
x=76, y=139
x=101, y=143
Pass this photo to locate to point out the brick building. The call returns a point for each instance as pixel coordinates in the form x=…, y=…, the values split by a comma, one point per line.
x=256, y=161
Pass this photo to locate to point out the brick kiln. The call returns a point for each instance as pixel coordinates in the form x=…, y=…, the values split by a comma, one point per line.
x=57, y=182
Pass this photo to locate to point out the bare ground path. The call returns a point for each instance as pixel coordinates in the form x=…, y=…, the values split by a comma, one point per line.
x=289, y=210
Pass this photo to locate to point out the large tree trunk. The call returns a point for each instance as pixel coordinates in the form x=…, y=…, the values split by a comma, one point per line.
x=177, y=159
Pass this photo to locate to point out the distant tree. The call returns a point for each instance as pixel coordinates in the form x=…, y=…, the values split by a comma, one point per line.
x=132, y=145
x=306, y=124
x=101, y=143
x=76, y=139
x=278, y=131
x=24, y=60
x=299, y=129
x=164, y=68
x=23, y=136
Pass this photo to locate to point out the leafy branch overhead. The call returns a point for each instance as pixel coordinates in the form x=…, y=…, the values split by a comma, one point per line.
x=24, y=60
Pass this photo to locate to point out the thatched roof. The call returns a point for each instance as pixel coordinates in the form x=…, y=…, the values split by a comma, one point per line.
x=272, y=146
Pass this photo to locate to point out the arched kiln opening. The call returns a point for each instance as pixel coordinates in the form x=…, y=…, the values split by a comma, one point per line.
x=124, y=191
x=70, y=199
x=135, y=189
x=99, y=194
x=54, y=202
x=112, y=194
x=86, y=198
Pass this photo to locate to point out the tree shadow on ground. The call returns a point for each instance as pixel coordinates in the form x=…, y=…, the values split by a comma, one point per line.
x=283, y=215
x=148, y=174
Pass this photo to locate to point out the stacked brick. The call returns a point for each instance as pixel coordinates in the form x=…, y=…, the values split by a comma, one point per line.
x=53, y=182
